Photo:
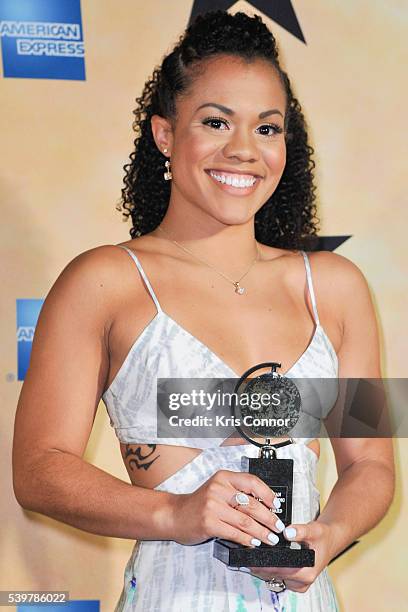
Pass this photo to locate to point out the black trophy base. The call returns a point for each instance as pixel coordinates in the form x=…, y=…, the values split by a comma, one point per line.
x=289, y=555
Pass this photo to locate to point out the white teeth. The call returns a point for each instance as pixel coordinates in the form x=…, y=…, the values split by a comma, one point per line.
x=235, y=181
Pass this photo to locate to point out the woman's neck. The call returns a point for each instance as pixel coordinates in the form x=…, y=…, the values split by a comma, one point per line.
x=230, y=246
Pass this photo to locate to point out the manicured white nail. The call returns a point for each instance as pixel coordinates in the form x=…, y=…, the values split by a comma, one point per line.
x=273, y=538
x=255, y=542
x=290, y=532
x=279, y=525
x=276, y=502
x=246, y=570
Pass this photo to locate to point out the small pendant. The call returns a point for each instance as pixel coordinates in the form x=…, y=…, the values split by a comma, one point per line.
x=238, y=289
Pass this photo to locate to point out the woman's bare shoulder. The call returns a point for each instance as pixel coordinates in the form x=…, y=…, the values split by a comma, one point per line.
x=105, y=274
x=339, y=283
x=101, y=263
x=324, y=264
x=334, y=270
x=96, y=279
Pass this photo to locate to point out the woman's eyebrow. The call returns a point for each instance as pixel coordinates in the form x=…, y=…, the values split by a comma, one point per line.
x=228, y=111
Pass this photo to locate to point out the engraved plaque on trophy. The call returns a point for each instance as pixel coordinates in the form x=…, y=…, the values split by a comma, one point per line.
x=259, y=422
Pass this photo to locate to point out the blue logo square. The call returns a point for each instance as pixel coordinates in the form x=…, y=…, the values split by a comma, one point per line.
x=27, y=316
x=42, y=39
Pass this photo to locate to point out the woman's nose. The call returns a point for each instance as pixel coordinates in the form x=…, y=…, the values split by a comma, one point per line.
x=242, y=146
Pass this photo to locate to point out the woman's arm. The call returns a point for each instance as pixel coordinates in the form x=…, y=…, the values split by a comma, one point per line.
x=57, y=405
x=365, y=485
x=365, y=466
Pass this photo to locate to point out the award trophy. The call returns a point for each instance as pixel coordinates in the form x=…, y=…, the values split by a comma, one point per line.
x=258, y=425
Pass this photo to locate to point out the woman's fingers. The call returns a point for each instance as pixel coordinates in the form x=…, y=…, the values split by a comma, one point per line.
x=261, y=503
x=236, y=534
x=265, y=517
x=252, y=522
x=206, y=512
x=286, y=573
x=249, y=522
x=295, y=579
x=296, y=585
x=307, y=532
x=248, y=483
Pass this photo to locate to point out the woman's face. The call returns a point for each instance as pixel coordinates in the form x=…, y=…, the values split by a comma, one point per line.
x=227, y=146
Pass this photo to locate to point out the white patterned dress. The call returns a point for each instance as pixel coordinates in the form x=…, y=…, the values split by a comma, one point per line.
x=164, y=576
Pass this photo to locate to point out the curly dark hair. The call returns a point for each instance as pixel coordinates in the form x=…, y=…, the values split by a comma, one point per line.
x=288, y=218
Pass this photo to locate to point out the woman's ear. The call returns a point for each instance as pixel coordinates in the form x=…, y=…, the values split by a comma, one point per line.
x=162, y=133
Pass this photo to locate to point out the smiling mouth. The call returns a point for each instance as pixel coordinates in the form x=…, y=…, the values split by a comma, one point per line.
x=239, y=181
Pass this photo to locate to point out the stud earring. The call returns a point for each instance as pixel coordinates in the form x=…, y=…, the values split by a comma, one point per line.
x=167, y=175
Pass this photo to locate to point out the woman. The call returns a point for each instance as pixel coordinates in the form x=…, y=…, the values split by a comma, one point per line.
x=220, y=191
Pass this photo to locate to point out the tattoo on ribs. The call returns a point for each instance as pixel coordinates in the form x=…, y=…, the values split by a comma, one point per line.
x=135, y=457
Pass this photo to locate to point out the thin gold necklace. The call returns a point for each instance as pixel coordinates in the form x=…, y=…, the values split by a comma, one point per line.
x=238, y=289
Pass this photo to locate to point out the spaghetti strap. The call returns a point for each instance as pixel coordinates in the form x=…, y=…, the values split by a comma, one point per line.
x=310, y=286
x=143, y=275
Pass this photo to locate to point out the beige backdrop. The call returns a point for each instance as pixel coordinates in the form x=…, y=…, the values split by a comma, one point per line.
x=64, y=146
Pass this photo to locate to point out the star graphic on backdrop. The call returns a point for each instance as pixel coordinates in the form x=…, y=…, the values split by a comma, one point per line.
x=329, y=243
x=280, y=11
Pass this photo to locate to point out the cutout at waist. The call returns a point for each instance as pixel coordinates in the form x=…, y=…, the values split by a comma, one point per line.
x=149, y=465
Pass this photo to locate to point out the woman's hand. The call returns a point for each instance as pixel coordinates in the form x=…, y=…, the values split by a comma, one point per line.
x=319, y=537
x=209, y=512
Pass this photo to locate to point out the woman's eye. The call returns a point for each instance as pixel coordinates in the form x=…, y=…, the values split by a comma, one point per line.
x=270, y=129
x=215, y=122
